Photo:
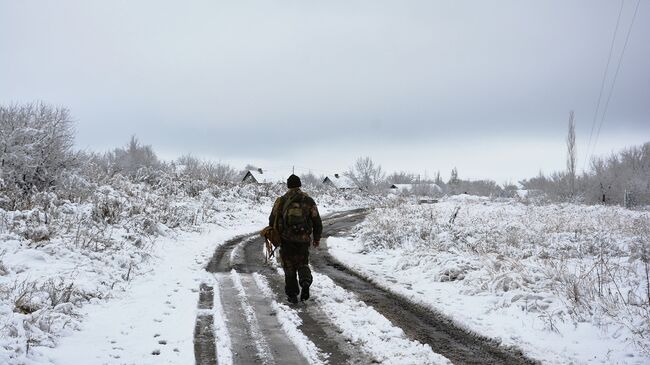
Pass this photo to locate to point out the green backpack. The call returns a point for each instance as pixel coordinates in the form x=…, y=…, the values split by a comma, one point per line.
x=295, y=221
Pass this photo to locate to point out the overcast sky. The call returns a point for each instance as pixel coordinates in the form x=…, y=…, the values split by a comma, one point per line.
x=417, y=85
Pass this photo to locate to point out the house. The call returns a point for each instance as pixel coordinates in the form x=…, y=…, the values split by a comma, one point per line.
x=339, y=182
x=261, y=176
x=417, y=189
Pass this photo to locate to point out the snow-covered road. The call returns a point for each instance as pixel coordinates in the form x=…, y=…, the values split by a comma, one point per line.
x=349, y=320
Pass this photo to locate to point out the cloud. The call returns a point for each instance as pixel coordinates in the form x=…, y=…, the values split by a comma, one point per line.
x=267, y=80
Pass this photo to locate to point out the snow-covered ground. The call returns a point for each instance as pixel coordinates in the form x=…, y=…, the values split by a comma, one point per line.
x=362, y=325
x=565, y=283
x=358, y=323
x=156, y=315
x=115, y=279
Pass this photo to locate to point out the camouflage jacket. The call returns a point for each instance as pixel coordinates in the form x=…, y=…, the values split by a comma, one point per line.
x=296, y=200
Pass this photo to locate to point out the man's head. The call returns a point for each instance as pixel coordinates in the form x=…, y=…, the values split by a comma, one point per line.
x=293, y=182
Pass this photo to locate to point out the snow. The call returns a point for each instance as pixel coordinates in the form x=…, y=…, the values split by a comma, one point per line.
x=340, y=181
x=406, y=188
x=504, y=270
x=115, y=279
x=159, y=306
x=263, y=349
x=269, y=176
x=290, y=321
x=364, y=326
x=105, y=280
x=221, y=334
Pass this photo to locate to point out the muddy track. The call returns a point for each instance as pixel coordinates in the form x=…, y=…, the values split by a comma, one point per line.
x=235, y=261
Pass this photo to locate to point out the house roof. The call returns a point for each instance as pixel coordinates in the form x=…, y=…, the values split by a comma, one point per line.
x=409, y=187
x=267, y=177
x=340, y=181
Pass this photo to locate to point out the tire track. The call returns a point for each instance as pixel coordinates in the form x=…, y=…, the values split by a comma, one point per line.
x=205, y=351
x=243, y=255
x=256, y=336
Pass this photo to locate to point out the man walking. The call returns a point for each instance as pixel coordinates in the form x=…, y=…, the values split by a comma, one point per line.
x=298, y=219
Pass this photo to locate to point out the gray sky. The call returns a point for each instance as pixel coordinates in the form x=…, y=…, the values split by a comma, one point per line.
x=417, y=85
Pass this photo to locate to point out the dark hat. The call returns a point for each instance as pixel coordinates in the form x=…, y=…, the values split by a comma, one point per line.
x=293, y=182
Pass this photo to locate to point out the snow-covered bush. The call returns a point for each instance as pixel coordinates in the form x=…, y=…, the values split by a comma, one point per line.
x=35, y=147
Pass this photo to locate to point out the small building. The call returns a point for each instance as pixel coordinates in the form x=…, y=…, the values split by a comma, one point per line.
x=340, y=182
x=416, y=188
x=261, y=176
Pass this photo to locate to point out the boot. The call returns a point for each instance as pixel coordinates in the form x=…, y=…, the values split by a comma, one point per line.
x=292, y=299
x=304, y=293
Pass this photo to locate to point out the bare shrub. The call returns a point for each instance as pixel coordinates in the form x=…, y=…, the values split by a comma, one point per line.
x=107, y=205
x=23, y=295
x=58, y=291
x=640, y=250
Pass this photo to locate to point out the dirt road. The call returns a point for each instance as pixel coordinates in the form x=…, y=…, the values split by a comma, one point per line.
x=256, y=336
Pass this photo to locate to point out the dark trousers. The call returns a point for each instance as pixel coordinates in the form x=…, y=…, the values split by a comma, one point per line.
x=295, y=262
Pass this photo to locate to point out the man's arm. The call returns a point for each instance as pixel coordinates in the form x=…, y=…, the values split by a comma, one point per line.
x=317, y=224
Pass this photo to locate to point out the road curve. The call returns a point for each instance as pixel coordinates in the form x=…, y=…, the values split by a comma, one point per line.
x=259, y=338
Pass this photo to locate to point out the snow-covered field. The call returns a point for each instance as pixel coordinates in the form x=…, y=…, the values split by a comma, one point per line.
x=566, y=283
x=116, y=277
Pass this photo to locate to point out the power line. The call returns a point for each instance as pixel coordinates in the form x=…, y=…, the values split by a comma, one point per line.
x=602, y=85
x=618, y=67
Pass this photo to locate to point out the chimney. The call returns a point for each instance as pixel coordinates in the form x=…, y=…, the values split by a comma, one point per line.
x=336, y=176
x=260, y=170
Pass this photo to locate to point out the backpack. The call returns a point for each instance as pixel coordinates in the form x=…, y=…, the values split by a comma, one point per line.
x=293, y=217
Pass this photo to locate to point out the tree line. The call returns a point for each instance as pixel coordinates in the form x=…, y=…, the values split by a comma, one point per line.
x=622, y=178
x=37, y=155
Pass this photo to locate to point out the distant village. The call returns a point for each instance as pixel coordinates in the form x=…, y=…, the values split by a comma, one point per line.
x=343, y=182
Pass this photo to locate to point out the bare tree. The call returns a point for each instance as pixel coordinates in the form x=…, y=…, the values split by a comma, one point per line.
x=311, y=180
x=219, y=172
x=453, y=177
x=366, y=174
x=438, y=180
x=131, y=159
x=401, y=177
x=571, y=155
x=453, y=185
x=189, y=166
